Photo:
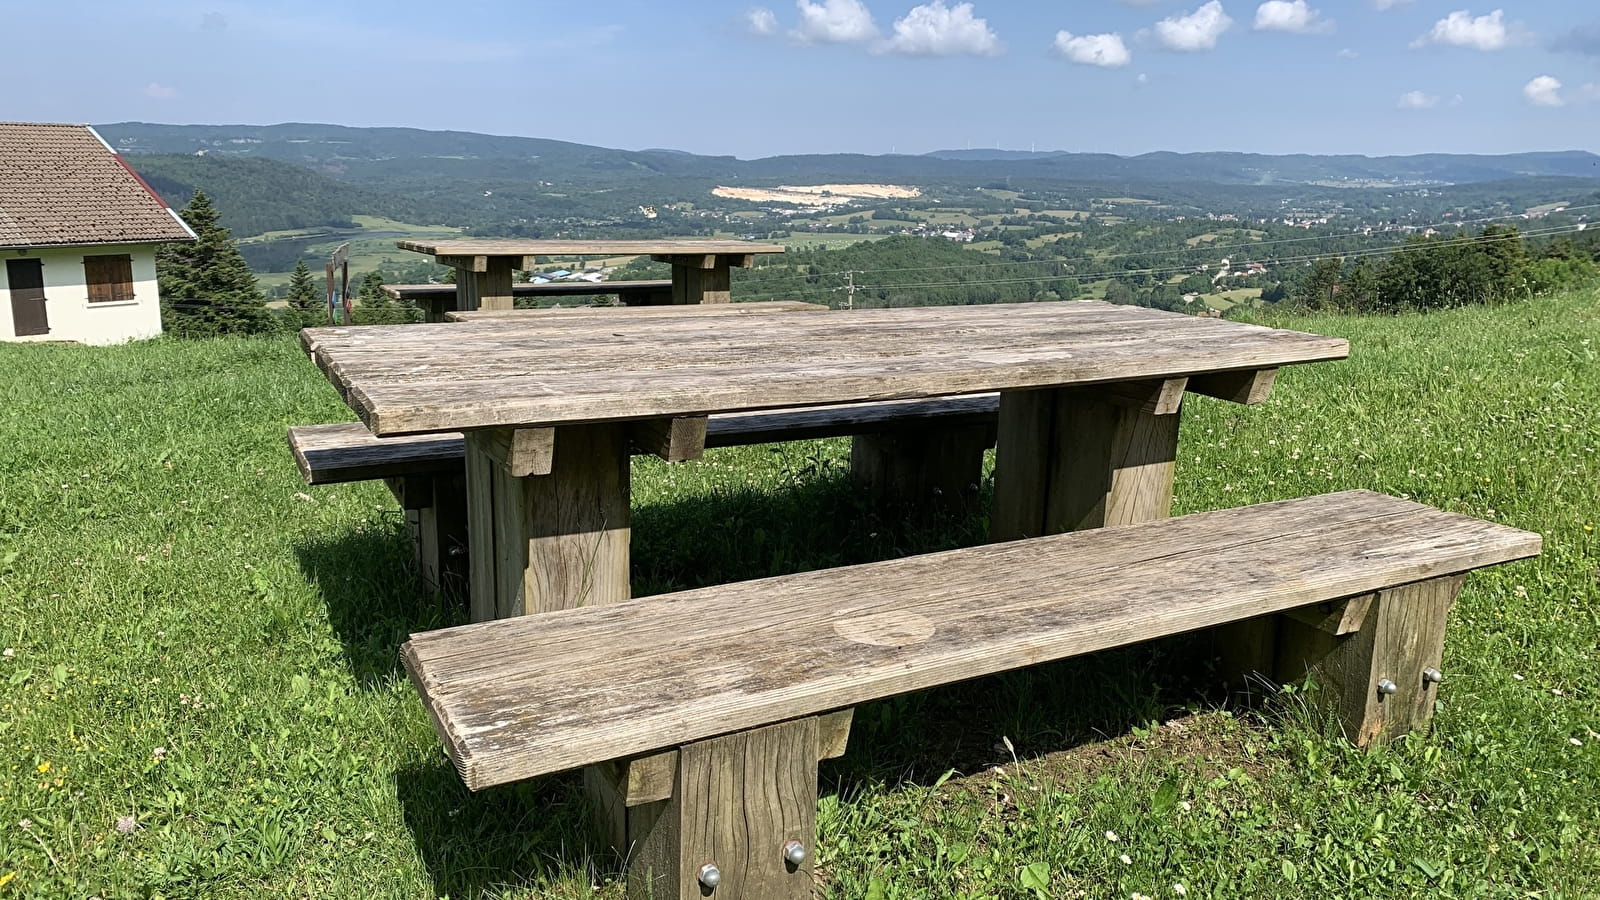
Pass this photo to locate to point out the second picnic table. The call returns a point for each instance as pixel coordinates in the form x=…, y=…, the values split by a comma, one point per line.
x=700, y=269
x=1089, y=410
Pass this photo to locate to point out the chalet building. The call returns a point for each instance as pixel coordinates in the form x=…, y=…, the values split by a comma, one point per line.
x=78, y=236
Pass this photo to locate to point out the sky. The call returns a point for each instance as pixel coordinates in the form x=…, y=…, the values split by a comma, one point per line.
x=1371, y=77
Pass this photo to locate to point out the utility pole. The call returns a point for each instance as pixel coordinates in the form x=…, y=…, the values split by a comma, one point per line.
x=850, y=290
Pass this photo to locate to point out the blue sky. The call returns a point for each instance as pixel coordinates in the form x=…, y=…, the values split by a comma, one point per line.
x=813, y=76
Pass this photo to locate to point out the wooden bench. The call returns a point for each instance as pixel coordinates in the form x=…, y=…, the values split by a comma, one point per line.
x=706, y=711
x=426, y=472
x=437, y=300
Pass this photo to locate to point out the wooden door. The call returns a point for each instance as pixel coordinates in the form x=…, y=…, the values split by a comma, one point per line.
x=27, y=297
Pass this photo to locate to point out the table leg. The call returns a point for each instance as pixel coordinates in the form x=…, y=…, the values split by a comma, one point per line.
x=697, y=285
x=929, y=470
x=1075, y=458
x=547, y=542
x=494, y=286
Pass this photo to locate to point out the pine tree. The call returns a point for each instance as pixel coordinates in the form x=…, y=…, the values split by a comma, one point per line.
x=308, y=304
x=370, y=292
x=206, y=286
x=377, y=308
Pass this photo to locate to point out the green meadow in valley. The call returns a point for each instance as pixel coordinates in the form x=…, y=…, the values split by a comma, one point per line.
x=200, y=694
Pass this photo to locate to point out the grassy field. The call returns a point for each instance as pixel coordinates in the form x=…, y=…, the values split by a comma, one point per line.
x=200, y=697
x=366, y=253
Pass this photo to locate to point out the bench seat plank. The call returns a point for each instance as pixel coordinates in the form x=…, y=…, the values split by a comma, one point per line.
x=333, y=454
x=523, y=697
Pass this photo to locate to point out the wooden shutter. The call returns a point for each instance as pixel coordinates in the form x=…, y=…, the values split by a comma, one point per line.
x=110, y=278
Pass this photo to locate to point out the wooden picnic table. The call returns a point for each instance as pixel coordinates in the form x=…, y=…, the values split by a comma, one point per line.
x=1089, y=410
x=700, y=269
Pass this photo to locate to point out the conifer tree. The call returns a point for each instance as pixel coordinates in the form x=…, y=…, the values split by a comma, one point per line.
x=307, y=302
x=377, y=308
x=206, y=286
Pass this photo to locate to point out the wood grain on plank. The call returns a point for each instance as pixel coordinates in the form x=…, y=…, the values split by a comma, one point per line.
x=744, y=655
x=407, y=379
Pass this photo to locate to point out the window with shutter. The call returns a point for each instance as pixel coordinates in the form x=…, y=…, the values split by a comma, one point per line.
x=110, y=278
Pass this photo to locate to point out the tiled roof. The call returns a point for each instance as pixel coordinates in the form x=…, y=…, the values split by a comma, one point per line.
x=61, y=184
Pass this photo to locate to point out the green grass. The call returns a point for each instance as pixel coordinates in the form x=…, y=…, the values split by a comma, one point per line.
x=196, y=641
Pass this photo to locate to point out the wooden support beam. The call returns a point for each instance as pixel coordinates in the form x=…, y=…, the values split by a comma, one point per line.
x=650, y=778
x=435, y=308
x=464, y=263
x=1159, y=397
x=1399, y=639
x=706, y=260
x=695, y=284
x=737, y=801
x=555, y=541
x=674, y=440
x=1336, y=618
x=926, y=469
x=520, y=451
x=686, y=260
x=1248, y=387
x=494, y=284
x=1076, y=458
x=442, y=539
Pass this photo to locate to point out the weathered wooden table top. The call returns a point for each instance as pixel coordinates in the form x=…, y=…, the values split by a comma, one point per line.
x=532, y=248
x=404, y=379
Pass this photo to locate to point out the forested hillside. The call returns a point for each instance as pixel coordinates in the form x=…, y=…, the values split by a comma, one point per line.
x=334, y=145
x=261, y=195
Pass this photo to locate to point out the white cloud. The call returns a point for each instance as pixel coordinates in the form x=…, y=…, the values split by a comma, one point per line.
x=1544, y=91
x=760, y=20
x=1197, y=31
x=1293, y=16
x=1384, y=5
x=834, y=22
x=1418, y=100
x=1106, y=50
x=933, y=29
x=1348, y=53
x=1142, y=80
x=1460, y=29
x=160, y=91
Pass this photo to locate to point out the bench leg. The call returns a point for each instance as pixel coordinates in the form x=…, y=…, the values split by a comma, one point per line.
x=1376, y=678
x=1075, y=458
x=548, y=542
x=930, y=470
x=442, y=542
x=737, y=803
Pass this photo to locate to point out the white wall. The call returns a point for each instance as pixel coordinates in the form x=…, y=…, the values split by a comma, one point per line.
x=72, y=316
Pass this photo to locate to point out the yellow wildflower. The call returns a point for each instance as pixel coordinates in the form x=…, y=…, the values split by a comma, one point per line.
x=44, y=767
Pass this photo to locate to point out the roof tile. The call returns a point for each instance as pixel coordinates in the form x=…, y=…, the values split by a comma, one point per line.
x=61, y=184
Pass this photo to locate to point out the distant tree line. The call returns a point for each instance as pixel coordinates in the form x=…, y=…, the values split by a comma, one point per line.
x=1493, y=265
